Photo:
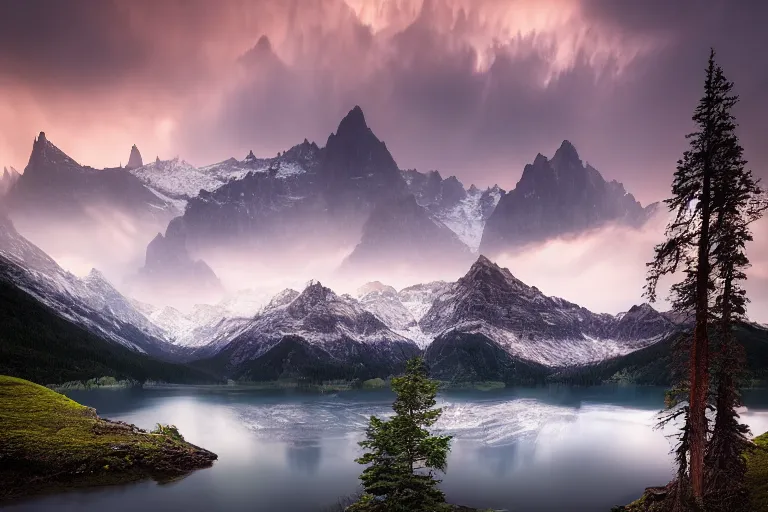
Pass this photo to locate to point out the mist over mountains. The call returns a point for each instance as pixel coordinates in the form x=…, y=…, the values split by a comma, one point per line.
x=316, y=333
x=178, y=230
x=418, y=247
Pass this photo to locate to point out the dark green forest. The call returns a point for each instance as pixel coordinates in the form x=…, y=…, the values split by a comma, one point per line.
x=38, y=345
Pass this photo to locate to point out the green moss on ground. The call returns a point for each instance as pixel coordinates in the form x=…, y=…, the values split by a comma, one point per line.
x=757, y=474
x=757, y=482
x=49, y=442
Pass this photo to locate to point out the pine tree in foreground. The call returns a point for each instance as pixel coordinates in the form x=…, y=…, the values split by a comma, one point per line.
x=401, y=454
x=688, y=248
x=737, y=203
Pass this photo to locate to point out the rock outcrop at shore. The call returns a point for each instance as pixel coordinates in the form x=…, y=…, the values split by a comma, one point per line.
x=49, y=442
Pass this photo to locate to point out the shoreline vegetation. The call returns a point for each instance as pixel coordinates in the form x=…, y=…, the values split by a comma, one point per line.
x=50, y=443
x=335, y=386
x=756, y=483
x=332, y=386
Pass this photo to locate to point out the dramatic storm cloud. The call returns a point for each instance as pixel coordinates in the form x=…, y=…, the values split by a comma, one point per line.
x=473, y=88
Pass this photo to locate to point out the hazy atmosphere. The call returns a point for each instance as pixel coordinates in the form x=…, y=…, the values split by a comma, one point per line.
x=383, y=255
x=473, y=89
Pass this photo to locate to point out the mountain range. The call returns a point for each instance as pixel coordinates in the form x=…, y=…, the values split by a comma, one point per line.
x=487, y=325
x=348, y=193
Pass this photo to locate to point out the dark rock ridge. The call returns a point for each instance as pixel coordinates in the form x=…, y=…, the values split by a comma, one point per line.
x=458, y=357
x=169, y=269
x=299, y=199
x=316, y=334
x=357, y=168
x=492, y=304
x=56, y=187
x=555, y=197
x=277, y=199
x=431, y=189
x=402, y=233
x=134, y=161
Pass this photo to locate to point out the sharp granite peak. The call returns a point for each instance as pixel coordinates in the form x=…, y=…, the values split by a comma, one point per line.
x=134, y=160
x=490, y=305
x=556, y=197
x=55, y=191
x=349, y=193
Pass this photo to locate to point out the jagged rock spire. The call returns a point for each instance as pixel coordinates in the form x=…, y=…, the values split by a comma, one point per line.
x=134, y=161
x=567, y=153
x=353, y=122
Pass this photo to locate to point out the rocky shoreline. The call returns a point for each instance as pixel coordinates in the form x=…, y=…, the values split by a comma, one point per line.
x=50, y=443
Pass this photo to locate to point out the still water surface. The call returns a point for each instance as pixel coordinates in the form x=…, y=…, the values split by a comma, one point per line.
x=523, y=450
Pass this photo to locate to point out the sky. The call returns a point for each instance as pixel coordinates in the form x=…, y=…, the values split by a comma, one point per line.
x=472, y=88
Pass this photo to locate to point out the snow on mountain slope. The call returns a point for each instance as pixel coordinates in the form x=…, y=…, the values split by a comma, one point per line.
x=419, y=298
x=386, y=303
x=91, y=302
x=382, y=301
x=527, y=324
x=463, y=211
x=467, y=217
x=177, y=179
x=235, y=169
x=103, y=297
x=338, y=325
x=206, y=324
x=245, y=303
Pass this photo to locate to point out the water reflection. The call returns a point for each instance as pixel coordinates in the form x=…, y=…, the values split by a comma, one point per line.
x=526, y=450
x=304, y=456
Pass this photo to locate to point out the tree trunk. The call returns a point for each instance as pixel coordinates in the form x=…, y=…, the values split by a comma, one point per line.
x=700, y=350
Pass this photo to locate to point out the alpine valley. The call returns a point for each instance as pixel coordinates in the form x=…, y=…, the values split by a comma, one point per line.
x=172, y=318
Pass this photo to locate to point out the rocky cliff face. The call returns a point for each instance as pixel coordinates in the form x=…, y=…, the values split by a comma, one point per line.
x=463, y=211
x=357, y=170
x=491, y=303
x=134, y=160
x=402, y=235
x=307, y=198
x=316, y=329
x=555, y=197
x=56, y=186
x=171, y=274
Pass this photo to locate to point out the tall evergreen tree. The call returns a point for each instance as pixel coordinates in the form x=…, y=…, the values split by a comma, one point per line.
x=402, y=455
x=688, y=248
x=737, y=202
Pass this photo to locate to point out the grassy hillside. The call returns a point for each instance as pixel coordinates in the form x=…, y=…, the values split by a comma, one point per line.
x=49, y=442
x=39, y=345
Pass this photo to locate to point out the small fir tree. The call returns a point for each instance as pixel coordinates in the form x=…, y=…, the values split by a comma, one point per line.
x=401, y=454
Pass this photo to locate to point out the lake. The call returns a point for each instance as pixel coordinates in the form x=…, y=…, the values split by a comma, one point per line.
x=545, y=449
